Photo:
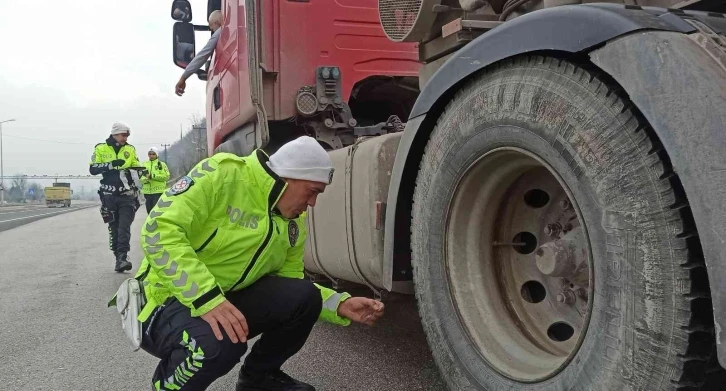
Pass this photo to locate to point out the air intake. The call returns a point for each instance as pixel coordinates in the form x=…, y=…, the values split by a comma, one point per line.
x=407, y=20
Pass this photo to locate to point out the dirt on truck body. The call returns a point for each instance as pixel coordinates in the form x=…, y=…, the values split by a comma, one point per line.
x=547, y=179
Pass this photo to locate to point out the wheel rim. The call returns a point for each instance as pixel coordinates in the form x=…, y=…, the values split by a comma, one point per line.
x=525, y=307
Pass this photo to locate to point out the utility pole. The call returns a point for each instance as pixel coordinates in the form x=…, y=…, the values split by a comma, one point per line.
x=2, y=173
x=200, y=148
x=166, y=156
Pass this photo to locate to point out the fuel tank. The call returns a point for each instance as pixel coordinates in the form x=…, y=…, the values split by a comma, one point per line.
x=345, y=227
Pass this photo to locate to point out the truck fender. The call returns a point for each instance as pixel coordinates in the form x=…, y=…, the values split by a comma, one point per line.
x=566, y=29
x=678, y=84
x=647, y=52
x=569, y=29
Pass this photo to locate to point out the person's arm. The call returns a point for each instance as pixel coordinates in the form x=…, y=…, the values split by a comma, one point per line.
x=198, y=62
x=294, y=268
x=164, y=239
x=164, y=175
x=98, y=166
x=143, y=177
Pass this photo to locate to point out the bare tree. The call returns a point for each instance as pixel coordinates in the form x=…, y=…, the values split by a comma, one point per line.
x=189, y=150
x=20, y=182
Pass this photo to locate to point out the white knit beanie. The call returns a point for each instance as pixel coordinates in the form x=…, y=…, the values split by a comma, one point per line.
x=120, y=127
x=303, y=158
x=154, y=149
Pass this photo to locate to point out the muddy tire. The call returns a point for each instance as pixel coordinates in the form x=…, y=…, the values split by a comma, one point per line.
x=643, y=303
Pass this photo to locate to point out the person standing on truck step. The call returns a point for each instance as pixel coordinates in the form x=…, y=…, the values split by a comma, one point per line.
x=215, y=24
x=224, y=263
x=153, y=178
x=114, y=160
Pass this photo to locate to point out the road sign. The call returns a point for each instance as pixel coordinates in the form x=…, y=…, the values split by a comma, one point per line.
x=31, y=191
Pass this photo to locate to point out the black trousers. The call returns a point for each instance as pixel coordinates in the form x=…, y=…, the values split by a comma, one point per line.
x=151, y=200
x=282, y=310
x=124, y=208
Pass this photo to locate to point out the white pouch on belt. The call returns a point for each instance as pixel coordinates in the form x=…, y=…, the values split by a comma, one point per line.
x=129, y=300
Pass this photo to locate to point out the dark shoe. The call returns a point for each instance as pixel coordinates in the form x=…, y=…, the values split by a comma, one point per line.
x=271, y=381
x=122, y=263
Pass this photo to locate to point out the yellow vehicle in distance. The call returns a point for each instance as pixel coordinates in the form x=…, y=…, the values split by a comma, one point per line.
x=58, y=194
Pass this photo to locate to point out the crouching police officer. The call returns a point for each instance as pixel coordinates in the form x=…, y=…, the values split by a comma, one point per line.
x=224, y=263
x=153, y=178
x=115, y=159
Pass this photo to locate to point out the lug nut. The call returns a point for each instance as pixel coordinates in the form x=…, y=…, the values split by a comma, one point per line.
x=566, y=297
x=565, y=204
x=552, y=229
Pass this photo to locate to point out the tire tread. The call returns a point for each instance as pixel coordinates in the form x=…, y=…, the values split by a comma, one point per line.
x=694, y=338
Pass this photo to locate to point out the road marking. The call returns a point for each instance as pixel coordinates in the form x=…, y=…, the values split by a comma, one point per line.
x=7, y=212
x=44, y=214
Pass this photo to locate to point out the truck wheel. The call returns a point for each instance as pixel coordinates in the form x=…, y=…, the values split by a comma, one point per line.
x=553, y=245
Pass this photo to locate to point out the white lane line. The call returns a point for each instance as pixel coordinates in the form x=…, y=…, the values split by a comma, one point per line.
x=9, y=212
x=44, y=214
x=16, y=208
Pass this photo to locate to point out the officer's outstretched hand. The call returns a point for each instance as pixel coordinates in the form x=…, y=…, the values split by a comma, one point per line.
x=361, y=310
x=229, y=317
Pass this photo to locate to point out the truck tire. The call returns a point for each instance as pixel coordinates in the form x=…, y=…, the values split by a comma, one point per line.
x=553, y=245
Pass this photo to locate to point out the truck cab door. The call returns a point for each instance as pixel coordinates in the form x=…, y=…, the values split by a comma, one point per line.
x=234, y=91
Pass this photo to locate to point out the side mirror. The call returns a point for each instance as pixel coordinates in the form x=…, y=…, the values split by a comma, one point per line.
x=181, y=11
x=183, y=44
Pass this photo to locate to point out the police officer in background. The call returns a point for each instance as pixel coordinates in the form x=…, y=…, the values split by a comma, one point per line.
x=116, y=160
x=153, y=178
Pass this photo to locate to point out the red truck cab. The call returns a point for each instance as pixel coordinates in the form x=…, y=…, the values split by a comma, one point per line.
x=284, y=68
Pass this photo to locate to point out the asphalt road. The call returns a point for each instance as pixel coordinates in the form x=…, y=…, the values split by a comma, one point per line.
x=57, y=333
x=17, y=215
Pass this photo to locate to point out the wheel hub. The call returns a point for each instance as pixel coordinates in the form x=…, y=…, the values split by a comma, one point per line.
x=518, y=264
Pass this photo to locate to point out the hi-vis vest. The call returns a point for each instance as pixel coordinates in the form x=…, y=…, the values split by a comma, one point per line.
x=115, y=181
x=159, y=174
x=216, y=231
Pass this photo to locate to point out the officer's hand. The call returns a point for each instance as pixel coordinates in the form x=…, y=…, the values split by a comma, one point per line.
x=361, y=310
x=229, y=317
x=118, y=163
x=180, y=86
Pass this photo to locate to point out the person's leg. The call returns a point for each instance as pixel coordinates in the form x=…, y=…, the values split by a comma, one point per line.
x=110, y=203
x=284, y=311
x=151, y=200
x=191, y=356
x=126, y=214
x=149, y=204
x=126, y=211
x=112, y=235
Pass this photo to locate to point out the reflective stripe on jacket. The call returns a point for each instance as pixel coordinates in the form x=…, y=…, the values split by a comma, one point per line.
x=216, y=230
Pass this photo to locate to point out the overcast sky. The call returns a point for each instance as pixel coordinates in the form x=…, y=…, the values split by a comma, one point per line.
x=69, y=69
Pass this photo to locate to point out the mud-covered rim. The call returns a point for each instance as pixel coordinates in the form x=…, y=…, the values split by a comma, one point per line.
x=503, y=294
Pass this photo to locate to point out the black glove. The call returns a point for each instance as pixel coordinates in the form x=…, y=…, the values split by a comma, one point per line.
x=118, y=163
